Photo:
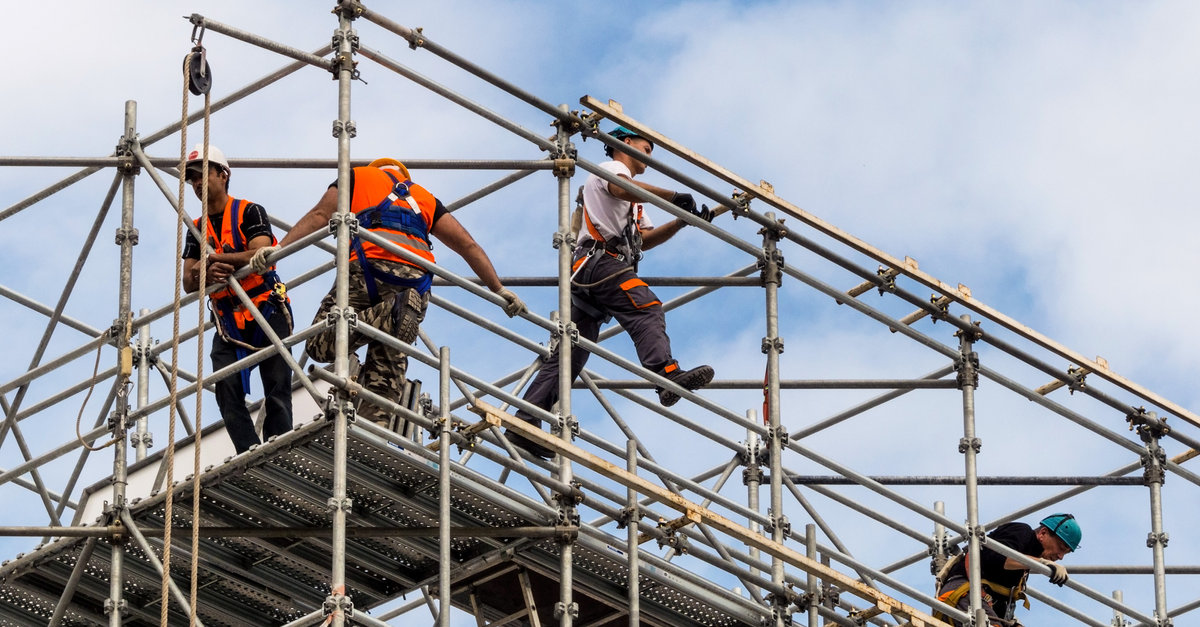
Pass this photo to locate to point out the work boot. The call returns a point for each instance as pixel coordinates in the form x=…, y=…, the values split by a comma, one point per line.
x=524, y=443
x=689, y=380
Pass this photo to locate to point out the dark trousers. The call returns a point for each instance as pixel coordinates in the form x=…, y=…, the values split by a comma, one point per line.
x=276, y=379
x=623, y=296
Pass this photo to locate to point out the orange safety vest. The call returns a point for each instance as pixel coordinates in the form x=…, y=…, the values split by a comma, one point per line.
x=225, y=302
x=402, y=224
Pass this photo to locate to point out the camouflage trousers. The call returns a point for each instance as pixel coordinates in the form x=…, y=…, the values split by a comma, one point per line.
x=398, y=313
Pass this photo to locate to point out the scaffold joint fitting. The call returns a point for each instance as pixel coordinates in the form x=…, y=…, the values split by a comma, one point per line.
x=127, y=234
x=562, y=609
x=1153, y=461
x=967, y=367
x=779, y=522
x=416, y=39
x=351, y=316
x=347, y=127
x=772, y=344
x=1147, y=424
x=335, y=504
x=770, y=266
x=1153, y=539
x=351, y=9
x=338, y=603
x=752, y=475
x=779, y=433
x=564, y=167
x=974, y=444
x=338, y=218
x=628, y=515
x=978, y=532
x=121, y=607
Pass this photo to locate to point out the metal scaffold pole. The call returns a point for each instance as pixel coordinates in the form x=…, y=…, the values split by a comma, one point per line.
x=340, y=605
x=126, y=238
x=566, y=609
x=444, y=556
x=142, y=439
x=1151, y=430
x=772, y=345
x=969, y=445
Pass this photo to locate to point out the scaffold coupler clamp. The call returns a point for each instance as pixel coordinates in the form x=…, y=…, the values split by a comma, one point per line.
x=671, y=537
x=335, y=402
x=778, y=522
x=967, y=367
x=630, y=514
x=338, y=603
x=772, y=344
x=772, y=258
x=741, y=203
x=1147, y=424
x=352, y=9
x=562, y=609
x=1076, y=378
x=978, y=532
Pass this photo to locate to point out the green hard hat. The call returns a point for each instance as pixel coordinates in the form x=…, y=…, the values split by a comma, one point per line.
x=1065, y=527
x=621, y=133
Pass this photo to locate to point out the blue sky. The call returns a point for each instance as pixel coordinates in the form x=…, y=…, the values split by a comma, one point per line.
x=1040, y=153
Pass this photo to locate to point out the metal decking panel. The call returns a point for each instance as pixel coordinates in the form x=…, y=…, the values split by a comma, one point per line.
x=264, y=581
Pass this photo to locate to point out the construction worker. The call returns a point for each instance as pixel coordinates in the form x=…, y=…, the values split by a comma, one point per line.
x=237, y=228
x=1003, y=578
x=605, y=283
x=386, y=291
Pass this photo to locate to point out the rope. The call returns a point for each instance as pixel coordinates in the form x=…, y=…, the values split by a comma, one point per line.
x=199, y=371
x=169, y=459
x=79, y=416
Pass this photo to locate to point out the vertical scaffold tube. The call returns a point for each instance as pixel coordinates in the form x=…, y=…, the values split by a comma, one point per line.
x=142, y=438
x=565, y=610
x=444, y=488
x=772, y=345
x=752, y=477
x=339, y=604
x=813, y=587
x=1118, y=618
x=1154, y=459
x=968, y=378
x=126, y=239
x=631, y=495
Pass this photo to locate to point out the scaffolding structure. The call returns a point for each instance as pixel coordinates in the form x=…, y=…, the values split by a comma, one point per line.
x=340, y=518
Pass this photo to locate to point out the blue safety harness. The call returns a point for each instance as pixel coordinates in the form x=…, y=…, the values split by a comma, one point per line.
x=223, y=307
x=388, y=215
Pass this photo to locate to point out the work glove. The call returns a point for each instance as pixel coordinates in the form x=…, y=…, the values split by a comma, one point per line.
x=258, y=263
x=685, y=202
x=1058, y=572
x=513, y=304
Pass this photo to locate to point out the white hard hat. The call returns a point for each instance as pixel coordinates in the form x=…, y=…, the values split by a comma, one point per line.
x=196, y=156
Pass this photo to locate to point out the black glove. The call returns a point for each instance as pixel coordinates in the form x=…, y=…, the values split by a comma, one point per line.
x=706, y=214
x=685, y=202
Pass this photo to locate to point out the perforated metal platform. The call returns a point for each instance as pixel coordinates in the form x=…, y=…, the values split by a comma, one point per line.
x=274, y=580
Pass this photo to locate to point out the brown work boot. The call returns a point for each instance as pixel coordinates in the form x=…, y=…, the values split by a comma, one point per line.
x=689, y=380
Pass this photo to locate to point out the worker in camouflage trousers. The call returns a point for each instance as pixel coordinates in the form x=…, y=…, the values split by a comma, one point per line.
x=387, y=291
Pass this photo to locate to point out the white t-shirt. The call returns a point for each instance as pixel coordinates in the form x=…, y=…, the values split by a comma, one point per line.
x=607, y=213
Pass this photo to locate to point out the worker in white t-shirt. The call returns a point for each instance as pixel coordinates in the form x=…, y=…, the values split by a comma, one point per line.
x=605, y=283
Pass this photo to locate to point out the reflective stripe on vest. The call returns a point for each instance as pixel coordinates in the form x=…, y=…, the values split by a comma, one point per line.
x=225, y=302
x=400, y=211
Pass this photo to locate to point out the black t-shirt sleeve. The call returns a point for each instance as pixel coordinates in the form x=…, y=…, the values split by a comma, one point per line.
x=1017, y=536
x=191, y=248
x=255, y=222
x=438, y=211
